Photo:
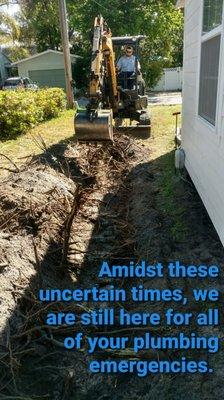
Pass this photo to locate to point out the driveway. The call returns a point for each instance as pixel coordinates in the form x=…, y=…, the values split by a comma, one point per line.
x=155, y=98
x=165, y=98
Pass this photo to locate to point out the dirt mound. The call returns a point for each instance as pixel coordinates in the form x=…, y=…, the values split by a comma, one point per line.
x=33, y=207
x=36, y=203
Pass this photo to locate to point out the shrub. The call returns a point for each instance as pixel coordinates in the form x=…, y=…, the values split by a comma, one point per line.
x=23, y=109
x=50, y=102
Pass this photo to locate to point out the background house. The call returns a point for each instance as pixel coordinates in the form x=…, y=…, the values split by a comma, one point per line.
x=5, y=64
x=47, y=68
x=203, y=103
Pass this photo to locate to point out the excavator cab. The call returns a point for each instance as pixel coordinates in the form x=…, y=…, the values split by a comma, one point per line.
x=133, y=99
x=125, y=80
x=113, y=98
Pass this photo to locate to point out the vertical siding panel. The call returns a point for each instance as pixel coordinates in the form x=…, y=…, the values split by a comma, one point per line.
x=204, y=158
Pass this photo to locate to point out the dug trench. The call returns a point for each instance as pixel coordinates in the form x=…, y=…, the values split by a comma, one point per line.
x=60, y=216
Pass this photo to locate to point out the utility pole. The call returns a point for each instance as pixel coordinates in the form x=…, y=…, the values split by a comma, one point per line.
x=66, y=52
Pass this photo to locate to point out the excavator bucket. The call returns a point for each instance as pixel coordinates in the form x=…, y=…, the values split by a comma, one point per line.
x=99, y=128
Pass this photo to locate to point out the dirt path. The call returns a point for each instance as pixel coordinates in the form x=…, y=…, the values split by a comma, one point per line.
x=165, y=98
x=125, y=211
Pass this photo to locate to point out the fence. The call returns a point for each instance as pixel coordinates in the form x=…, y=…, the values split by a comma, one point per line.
x=171, y=80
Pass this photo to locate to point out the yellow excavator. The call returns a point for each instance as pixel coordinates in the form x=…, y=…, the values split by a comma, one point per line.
x=113, y=97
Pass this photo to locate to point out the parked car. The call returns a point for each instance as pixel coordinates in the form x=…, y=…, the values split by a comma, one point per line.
x=19, y=82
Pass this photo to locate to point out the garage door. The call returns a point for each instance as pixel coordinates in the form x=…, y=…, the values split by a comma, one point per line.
x=50, y=78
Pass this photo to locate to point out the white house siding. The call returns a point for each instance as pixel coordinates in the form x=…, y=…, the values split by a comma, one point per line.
x=203, y=144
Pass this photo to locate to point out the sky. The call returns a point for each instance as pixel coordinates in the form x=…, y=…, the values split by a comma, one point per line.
x=11, y=9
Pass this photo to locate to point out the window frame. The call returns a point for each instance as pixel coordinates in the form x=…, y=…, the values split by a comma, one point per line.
x=204, y=37
x=203, y=32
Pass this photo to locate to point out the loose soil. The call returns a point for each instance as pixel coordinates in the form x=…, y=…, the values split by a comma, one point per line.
x=60, y=216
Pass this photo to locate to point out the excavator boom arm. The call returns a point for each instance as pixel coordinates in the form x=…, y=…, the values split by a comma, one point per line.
x=96, y=122
x=103, y=68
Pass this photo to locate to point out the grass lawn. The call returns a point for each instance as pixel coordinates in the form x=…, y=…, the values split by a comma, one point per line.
x=29, y=144
x=163, y=128
x=168, y=183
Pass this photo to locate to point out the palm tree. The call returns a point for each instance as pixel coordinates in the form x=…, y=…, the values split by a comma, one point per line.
x=9, y=28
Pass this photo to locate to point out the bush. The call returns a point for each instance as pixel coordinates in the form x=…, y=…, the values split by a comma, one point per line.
x=23, y=109
x=50, y=102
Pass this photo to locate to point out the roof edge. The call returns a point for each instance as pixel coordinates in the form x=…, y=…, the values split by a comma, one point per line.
x=40, y=54
x=3, y=53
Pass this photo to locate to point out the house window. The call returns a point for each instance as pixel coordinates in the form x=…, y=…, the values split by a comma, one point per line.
x=210, y=57
x=209, y=78
x=212, y=14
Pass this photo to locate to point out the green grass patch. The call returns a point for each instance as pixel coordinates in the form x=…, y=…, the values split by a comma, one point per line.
x=168, y=197
x=30, y=144
x=168, y=183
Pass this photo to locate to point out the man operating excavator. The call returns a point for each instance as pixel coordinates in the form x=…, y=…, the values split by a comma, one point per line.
x=128, y=65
